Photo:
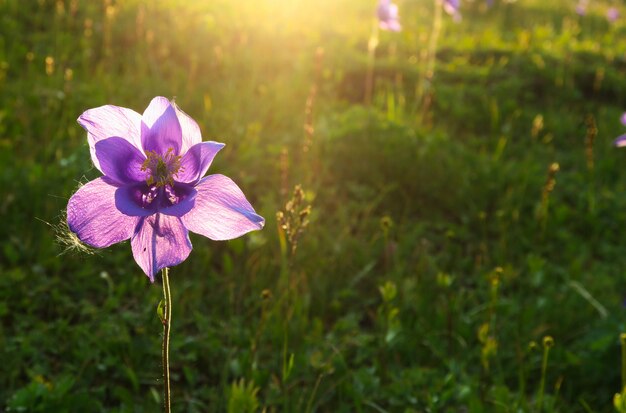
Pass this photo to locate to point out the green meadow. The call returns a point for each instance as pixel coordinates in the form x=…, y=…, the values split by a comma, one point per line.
x=445, y=209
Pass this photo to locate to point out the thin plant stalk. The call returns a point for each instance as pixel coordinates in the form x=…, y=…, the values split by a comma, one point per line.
x=590, y=137
x=284, y=279
x=545, y=195
x=309, y=405
x=372, y=44
x=548, y=342
x=622, y=340
x=291, y=224
x=434, y=39
x=167, y=319
x=425, y=92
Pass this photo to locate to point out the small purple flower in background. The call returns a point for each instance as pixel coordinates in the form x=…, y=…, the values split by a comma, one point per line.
x=452, y=8
x=612, y=14
x=581, y=7
x=388, y=16
x=153, y=191
x=620, y=142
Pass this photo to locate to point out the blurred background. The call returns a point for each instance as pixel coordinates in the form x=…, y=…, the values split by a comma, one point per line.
x=458, y=224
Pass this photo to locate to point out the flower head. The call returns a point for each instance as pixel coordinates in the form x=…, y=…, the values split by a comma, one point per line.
x=153, y=190
x=581, y=7
x=612, y=14
x=621, y=140
x=388, y=16
x=452, y=7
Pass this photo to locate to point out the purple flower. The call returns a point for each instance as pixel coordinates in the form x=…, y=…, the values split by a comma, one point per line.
x=612, y=14
x=581, y=7
x=153, y=191
x=621, y=140
x=388, y=16
x=452, y=7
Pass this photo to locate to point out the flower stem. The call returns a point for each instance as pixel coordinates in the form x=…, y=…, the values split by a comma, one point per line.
x=167, y=319
x=548, y=342
x=622, y=339
x=425, y=91
x=371, y=57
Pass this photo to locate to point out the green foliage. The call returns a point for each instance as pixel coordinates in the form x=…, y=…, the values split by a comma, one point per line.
x=441, y=238
x=243, y=397
x=42, y=396
x=619, y=401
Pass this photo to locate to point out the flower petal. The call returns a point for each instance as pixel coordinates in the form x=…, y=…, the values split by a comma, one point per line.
x=197, y=160
x=160, y=128
x=107, y=121
x=221, y=210
x=393, y=11
x=393, y=25
x=620, y=142
x=623, y=118
x=451, y=7
x=160, y=241
x=92, y=215
x=120, y=161
x=190, y=130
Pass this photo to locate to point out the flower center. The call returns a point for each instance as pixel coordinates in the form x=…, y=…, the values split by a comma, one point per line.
x=165, y=195
x=161, y=168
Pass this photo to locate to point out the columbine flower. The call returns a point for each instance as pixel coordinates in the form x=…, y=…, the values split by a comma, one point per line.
x=612, y=14
x=621, y=140
x=388, y=16
x=452, y=8
x=153, y=191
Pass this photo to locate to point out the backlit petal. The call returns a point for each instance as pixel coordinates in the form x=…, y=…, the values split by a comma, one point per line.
x=620, y=142
x=197, y=160
x=160, y=241
x=160, y=128
x=393, y=25
x=189, y=128
x=120, y=161
x=221, y=210
x=393, y=11
x=107, y=121
x=92, y=215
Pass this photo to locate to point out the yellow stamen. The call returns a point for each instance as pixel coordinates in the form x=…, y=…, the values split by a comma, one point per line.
x=162, y=169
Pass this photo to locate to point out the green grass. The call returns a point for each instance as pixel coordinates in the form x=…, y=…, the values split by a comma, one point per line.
x=430, y=263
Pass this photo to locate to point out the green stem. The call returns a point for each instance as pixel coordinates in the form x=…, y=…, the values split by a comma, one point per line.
x=432, y=43
x=167, y=319
x=542, y=384
x=309, y=405
x=371, y=57
x=622, y=338
x=548, y=342
x=425, y=90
